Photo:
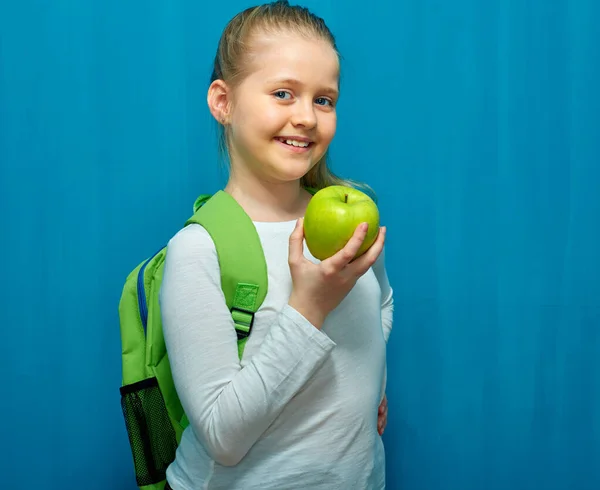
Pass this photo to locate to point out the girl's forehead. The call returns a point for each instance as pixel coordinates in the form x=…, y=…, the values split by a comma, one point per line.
x=294, y=57
x=275, y=42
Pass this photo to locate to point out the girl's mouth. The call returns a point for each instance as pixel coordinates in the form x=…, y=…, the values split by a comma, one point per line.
x=295, y=145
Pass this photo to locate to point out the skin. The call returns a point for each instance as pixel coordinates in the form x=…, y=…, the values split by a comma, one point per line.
x=265, y=175
x=290, y=89
x=382, y=414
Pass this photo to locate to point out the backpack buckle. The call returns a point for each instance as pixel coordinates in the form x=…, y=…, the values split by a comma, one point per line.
x=243, y=320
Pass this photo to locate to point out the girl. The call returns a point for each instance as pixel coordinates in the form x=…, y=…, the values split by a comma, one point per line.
x=300, y=411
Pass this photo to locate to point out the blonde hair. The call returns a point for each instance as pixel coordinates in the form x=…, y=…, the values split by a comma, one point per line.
x=234, y=50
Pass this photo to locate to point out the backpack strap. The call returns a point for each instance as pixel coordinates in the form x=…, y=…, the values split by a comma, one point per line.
x=241, y=258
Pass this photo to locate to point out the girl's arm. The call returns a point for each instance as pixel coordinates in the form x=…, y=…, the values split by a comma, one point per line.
x=387, y=314
x=228, y=407
x=387, y=296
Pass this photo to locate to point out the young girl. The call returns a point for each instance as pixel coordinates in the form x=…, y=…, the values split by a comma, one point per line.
x=300, y=411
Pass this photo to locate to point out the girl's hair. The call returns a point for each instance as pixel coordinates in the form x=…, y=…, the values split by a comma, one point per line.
x=234, y=52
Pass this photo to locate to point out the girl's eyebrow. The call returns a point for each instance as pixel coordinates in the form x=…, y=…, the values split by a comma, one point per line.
x=292, y=81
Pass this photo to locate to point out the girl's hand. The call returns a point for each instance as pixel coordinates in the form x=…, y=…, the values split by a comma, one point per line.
x=318, y=288
x=382, y=415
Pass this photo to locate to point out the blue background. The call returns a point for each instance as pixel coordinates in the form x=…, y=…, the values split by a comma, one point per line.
x=477, y=123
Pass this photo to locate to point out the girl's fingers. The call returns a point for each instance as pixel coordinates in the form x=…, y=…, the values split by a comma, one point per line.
x=347, y=254
x=296, y=250
x=366, y=260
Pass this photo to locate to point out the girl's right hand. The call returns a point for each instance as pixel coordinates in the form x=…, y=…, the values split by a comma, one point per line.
x=318, y=288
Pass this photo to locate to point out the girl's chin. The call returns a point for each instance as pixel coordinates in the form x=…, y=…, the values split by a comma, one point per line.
x=287, y=172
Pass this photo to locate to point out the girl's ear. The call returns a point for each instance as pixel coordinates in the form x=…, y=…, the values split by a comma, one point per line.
x=219, y=101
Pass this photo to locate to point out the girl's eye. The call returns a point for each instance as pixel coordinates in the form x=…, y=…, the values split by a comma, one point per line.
x=323, y=101
x=280, y=94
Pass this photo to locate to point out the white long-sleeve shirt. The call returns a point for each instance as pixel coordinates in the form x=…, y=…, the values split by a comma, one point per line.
x=299, y=411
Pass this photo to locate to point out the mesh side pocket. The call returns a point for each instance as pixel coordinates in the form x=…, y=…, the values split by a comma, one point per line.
x=151, y=435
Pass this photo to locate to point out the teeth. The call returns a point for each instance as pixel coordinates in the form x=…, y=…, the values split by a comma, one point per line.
x=300, y=144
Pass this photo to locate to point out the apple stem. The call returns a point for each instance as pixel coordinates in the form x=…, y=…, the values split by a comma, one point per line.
x=346, y=198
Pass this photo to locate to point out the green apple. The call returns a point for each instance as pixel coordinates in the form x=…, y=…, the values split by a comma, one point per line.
x=332, y=217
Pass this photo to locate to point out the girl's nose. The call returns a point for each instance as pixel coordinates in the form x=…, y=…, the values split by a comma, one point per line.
x=304, y=116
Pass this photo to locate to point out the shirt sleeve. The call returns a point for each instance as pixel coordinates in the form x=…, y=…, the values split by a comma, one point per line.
x=228, y=406
x=387, y=296
x=387, y=306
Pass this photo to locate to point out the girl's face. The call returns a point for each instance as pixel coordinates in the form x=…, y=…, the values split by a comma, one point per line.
x=283, y=115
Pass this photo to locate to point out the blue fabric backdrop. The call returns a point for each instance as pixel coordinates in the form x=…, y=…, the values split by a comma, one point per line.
x=476, y=122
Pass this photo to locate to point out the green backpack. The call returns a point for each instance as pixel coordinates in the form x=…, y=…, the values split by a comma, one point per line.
x=154, y=417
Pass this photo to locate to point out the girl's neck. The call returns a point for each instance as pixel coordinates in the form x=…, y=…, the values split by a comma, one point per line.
x=268, y=202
